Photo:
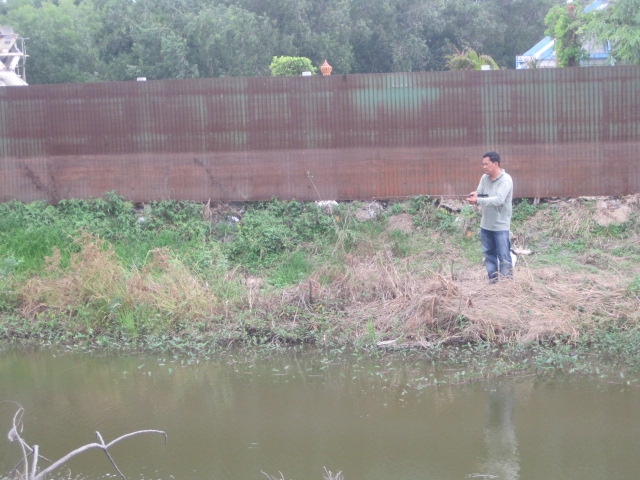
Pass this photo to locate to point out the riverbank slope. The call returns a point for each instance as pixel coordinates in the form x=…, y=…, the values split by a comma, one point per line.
x=388, y=274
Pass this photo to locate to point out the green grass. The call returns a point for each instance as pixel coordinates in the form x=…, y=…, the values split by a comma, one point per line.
x=290, y=269
x=524, y=210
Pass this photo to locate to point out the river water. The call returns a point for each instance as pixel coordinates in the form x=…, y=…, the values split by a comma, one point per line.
x=294, y=414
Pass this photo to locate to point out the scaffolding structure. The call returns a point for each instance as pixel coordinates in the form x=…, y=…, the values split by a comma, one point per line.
x=12, y=58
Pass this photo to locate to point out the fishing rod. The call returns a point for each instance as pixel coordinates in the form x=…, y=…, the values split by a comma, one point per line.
x=389, y=197
x=392, y=197
x=466, y=195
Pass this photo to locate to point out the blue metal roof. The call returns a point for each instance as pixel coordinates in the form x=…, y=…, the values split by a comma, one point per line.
x=544, y=45
x=597, y=5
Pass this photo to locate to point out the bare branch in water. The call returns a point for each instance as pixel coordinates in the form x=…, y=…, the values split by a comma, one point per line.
x=271, y=477
x=28, y=451
x=330, y=476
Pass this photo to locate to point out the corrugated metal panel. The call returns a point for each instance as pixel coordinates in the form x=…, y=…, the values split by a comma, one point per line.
x=561, y=132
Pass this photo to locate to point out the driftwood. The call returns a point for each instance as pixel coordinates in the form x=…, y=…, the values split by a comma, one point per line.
x=328, y=475
x=31, y=455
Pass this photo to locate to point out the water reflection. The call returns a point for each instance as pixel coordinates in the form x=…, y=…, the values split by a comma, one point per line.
x=499, y=432
x=232, y=418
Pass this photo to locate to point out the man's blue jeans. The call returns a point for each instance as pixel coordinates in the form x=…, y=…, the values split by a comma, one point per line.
x=497, y=253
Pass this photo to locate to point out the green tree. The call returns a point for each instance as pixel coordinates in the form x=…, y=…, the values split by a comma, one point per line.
x=517, y=25
x=317, y=29
x=389, y=35
x=417, y=35
x=115, y=39
x=232, y=41
x=291, y=66
x=160, y=54
x=331, y=32
x=145, y=38
x=463, y=24
x=469, y=59
x=618, y=24
x=60, y=41
x=374, y=25
x=88, y=40
x=563, y=24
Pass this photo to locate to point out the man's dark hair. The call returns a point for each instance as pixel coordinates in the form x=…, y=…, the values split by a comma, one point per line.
x=493, y=156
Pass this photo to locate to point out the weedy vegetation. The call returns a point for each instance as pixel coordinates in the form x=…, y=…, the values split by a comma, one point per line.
x=393, y=275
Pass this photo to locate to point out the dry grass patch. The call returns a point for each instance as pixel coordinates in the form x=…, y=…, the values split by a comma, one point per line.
x=383, y=297
x=544, y=304
x=166, y=285
x=576, y=217
x=96, y=292
x=94, y=277
x=383, y=293
x=402, y=222
x=521, y=308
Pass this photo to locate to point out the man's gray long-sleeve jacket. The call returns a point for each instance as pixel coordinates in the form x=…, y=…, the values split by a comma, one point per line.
x=497, y=206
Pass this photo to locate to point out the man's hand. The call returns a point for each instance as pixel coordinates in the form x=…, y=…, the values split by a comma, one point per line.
x=472, y=199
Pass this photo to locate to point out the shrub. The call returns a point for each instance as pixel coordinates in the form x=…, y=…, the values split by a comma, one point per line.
x=523, y=210
x=291, y=66
x=270, y=229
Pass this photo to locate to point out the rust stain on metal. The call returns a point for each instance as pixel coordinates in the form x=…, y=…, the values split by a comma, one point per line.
x=559, y=132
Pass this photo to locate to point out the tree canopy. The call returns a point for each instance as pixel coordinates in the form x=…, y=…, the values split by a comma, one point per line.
x=619, y=24
x=105, y=40
x=563, y=22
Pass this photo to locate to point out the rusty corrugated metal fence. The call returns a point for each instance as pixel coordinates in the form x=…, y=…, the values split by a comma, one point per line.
x=560, y=132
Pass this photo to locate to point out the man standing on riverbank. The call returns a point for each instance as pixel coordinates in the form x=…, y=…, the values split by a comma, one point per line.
x=496, y=188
